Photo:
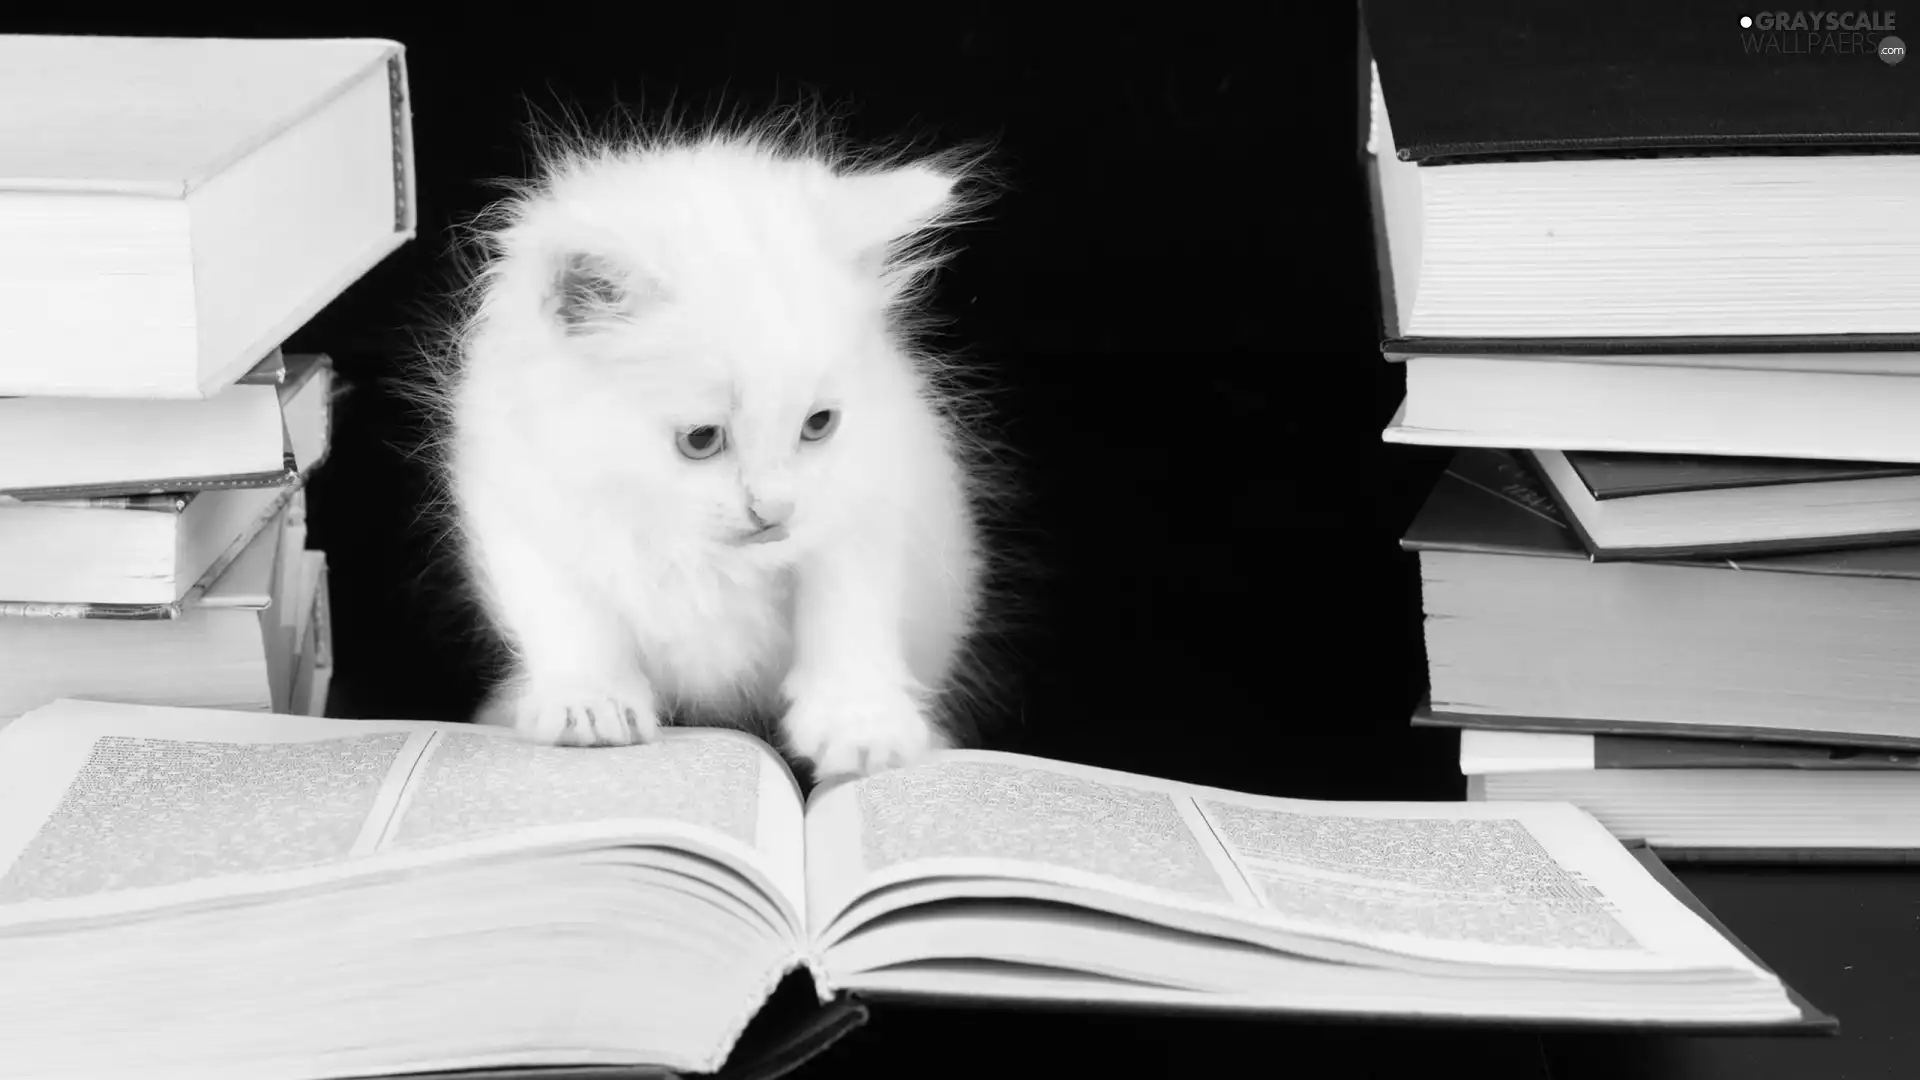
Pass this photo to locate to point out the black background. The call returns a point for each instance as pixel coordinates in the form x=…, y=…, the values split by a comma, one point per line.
x=1177, y=296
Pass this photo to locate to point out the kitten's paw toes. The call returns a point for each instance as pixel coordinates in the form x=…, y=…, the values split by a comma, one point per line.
x=857, y=730
x=589, y=718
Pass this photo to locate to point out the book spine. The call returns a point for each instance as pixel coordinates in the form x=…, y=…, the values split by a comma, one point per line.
x=19, y=609
x=165, y=495
x=165, y=501
x=404, y=213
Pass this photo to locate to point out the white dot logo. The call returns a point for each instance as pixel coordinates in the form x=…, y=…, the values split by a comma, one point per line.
x=1746, y=22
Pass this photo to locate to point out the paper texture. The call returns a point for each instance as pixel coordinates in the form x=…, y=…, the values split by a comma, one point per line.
x=1033, y=815
x=148, y=812
x=470, y=785
x=1485, y=881
x=112, y=809
x=1540, y=886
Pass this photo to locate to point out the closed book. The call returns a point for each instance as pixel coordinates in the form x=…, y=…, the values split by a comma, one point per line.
x=218, y=652
x=1523, y=628
x=312, y=654
x=1639, y=506
x=248, y=435
x=1627, y=476
x=1706, y=799
x=1555, y=180
x=132, y=557
x=141, y=556
x=1740, y=408
x=1484, y=80
x=174, y=208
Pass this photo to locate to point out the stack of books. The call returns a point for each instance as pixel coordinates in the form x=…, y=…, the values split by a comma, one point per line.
x=171, y=211
x=1672, y=573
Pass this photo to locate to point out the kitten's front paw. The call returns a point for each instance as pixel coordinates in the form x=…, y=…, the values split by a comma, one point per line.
x=846, y=728
x=583, y=716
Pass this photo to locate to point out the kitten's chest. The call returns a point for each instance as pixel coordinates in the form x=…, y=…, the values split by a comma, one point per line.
x=710, y=637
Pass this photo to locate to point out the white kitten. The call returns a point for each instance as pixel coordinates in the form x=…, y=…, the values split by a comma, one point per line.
x=697, y=471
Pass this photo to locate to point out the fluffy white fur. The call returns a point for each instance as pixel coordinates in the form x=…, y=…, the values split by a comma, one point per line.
x=743, y=281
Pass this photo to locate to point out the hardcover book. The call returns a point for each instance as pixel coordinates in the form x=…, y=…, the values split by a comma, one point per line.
x=1564, y=180
x=173, y=177
x=1734, y=410
x=1647, y=506
x=252, y=434
x=1627, y=476
x=149, y=556
x=1524, y=630
x=163, y=871
x=1714, y=800
x=220, y=651
x=1490, y=79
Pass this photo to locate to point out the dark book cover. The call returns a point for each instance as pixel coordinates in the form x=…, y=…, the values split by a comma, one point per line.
x=1743, y=549
x=1427, y=716
x=1401, y=349
x=1666, y=752
x=270, y=371
x=1490, y=502
x=1477, y=79
x=1626, y=476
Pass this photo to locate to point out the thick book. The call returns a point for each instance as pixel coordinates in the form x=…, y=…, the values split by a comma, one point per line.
x=1713, y=800
x=142, y=556
x=1629, y=476
x=313, y=657
x=1491, y=79
x=136, y=557
x=299, y=625
x=220, y=652
x=1639, y=506
x=1596, y=210
x=1524, y=629
x=152, y=190
x=1851, y=411
x=248, y=435
x=175, y=880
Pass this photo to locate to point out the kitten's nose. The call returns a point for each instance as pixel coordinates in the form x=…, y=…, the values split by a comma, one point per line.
x=767, y=513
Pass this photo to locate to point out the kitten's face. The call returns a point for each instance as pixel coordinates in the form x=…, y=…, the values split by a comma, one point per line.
x=723, y=332
x=732, y=425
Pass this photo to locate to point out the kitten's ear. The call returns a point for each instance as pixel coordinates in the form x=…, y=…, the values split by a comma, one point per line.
x=589, y=292
x=875, y=209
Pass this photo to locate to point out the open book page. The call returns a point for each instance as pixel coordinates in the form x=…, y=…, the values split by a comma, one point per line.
x=106, y=809
x=1525, y=885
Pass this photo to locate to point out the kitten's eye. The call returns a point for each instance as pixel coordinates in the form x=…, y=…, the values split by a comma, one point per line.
x=820, y=425
x=702, y=442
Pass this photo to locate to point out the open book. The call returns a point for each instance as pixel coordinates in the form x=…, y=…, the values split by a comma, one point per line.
x=207, y=894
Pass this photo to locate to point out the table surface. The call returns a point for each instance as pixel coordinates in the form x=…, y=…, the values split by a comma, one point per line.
x=1848, y=938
